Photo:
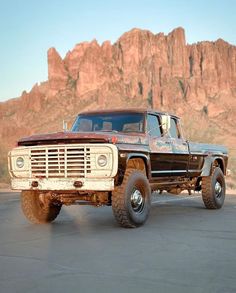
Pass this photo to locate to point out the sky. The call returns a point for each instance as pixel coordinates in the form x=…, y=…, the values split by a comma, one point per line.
x=28, y=28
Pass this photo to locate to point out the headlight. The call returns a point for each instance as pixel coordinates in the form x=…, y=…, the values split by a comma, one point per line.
x=20, y=162
x=102, y=161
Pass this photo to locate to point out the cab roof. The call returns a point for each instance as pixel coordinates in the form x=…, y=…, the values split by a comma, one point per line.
x=129, y=110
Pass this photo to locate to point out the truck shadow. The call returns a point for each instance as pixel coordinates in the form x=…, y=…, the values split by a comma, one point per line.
x=95, y=229
x=85, y=219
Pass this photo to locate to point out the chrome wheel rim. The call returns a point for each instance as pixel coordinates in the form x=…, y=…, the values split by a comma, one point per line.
x=218, y=189
x=137, y=201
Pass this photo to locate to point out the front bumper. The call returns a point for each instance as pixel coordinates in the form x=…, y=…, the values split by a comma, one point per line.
x=67, y=184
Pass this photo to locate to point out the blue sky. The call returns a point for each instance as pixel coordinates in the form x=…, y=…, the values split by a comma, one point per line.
x=29, y=27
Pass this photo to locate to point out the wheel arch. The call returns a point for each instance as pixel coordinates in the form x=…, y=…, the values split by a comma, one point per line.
x=210, y=162
x=145, y=159
x=133, y=160
x=220, y=162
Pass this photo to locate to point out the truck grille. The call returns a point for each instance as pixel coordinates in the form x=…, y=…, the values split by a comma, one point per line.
x=60, y=162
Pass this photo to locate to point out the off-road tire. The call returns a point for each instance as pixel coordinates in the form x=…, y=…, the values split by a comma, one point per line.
x=211, y=199
x=121, y=199
x=35, y=211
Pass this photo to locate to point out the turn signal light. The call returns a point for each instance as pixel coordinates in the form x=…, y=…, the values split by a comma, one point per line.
x=114, y=139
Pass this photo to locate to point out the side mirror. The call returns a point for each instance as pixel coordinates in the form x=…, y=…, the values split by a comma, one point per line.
x=165, y=123
x=64, y=125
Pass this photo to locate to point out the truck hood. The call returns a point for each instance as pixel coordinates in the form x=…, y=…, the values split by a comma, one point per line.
x=82, y=137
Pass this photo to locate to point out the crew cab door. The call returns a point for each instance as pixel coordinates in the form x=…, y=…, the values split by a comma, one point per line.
x=160, y=148
x=180, y=150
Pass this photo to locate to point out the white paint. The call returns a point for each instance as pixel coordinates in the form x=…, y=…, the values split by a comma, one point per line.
x=41, y=155
x=90, y=184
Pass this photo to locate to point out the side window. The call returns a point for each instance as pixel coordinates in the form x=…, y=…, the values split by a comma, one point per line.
x=174, y=131
x=153, y=126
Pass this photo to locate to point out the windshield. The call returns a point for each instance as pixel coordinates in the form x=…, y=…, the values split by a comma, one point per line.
x=116, y=122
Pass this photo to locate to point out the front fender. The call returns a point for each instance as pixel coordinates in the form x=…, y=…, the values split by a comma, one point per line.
x=124, y=158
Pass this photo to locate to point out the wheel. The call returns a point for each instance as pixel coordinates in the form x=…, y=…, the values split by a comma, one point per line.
x=213, y=189
x=131, y=201
x=36, y=209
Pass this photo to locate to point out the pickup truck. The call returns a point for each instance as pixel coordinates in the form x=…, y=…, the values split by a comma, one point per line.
x=115, y=158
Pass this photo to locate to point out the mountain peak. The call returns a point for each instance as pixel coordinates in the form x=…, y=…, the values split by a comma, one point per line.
x=141, y=68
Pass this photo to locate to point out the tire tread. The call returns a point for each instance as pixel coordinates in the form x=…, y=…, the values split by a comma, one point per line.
x=48, y=214
x=118, y=201
x=207, y=191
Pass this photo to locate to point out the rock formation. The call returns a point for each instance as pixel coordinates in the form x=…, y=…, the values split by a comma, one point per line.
x=140, y=69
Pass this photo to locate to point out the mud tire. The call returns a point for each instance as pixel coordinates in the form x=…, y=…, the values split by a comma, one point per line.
x=128, y=212
x=37, y=212
x=213, y=189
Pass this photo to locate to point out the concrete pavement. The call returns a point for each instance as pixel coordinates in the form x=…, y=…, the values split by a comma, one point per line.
x=182, y=248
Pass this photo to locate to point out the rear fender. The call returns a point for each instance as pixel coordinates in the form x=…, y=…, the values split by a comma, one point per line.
x=209, y=163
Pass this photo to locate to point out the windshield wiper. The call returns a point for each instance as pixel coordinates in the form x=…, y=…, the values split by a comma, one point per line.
x=106, y=130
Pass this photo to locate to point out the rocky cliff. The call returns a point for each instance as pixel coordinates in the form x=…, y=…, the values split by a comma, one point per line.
x=195, y=81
